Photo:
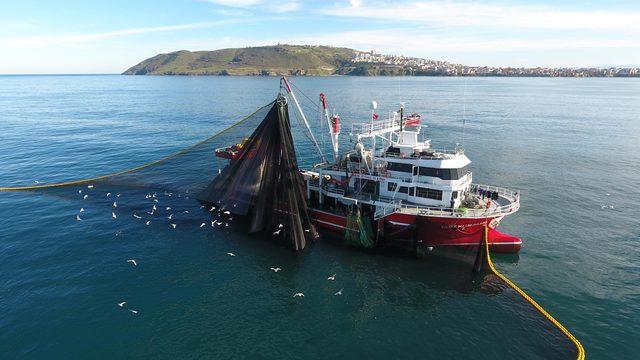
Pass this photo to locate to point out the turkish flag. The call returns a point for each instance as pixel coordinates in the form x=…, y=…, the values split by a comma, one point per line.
x=375, y=116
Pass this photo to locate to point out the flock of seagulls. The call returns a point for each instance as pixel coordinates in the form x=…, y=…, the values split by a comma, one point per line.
x=214, y=222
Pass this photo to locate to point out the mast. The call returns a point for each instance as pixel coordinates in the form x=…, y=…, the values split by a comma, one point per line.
x=304, y=118
x=334, y=126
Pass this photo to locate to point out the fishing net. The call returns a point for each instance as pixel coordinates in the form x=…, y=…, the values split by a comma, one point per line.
x=264, y=182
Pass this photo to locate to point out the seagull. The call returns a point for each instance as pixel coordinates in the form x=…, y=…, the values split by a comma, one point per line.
x=298, y=295
x=86, y=196
x=231, y=254
x=213, y=223
x=226, y=224
x=275, y=269
x=36, y=181
x=137, y=217
x=168, y=208
x=339, y=292
x=154, y=208
x=307, y=230
x=212, y=208
x=135, y=312
x=226, y=212
x=185, y=212
x=115, y=204
x=90, y=187
x=203, y=224
x=332, y=277
x=174, y=225
x=81, y=209
x=113, y=215
x=201, y=206
x=135, y=263
x=230, y=219
x=608, y=194
x=277, y=232
x=79, y=191
x=108, y=194
x=78, y=218
x=170, y=217
x=280, y=226
x=155, y=200
x=219, y=223
x=122, y=304
x=150, y=212
x=118, y=195
x=148, y=222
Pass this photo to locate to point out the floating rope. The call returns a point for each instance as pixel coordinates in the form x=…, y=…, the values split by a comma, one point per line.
x=579, y=348
x=171, y=156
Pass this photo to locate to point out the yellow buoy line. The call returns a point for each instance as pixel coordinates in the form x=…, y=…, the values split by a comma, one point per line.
x=579, y=348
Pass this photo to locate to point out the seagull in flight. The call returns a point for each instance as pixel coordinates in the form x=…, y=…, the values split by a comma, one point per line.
x=115, y=204
x=154, y=208
x=275, y=269
x=212, y=208
x=135, y=263
x=298, y=295
x=174, y=225
x=148, y=222
x=307, y=230
x=280, y=226
x=137, y=217
x=135, y=312
x=332, y=277
x=118, y=195
x=168, y=208
x=90, y=187
x=81, y=209
x=226, y=212
x=203, y=224
x=277, y=232
x=108, y=194
x=78, y=218
x=85, y=197
x=122, y=304
x=36, y=181
x=113, y=215
x=339, y=292
x=231, y=254
x=170, y=217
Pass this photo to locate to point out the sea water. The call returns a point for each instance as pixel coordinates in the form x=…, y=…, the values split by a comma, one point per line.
x=570, y=146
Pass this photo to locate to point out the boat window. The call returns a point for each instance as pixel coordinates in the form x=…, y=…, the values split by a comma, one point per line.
x=444, y=174
x=428, y=193
x=392, y=186
x=454, y=195
x=403, y=189
x=394, y=166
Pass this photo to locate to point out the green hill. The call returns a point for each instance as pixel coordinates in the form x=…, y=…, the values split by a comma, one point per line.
x=263, y=60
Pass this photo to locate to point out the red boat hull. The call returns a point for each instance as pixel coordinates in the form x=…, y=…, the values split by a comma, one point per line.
x=432, y=231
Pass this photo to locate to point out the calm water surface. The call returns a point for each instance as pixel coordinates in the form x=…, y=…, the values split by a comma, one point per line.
x=571, y=146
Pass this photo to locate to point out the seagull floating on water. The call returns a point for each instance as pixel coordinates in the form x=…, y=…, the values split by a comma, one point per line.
x=148, y=222
x=275, y=269
x=78, y=218
x=135, y=263
x=339, y=292
x=332, y=277
x=108, y=194
x=174, y=225
x=203, y=224
x=36, y=181
x=118, y=195
x=122, y=304
x=298, y=295
x=231, y=254
x=135, y=312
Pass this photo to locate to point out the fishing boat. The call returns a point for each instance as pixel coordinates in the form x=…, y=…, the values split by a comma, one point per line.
x=393, y=186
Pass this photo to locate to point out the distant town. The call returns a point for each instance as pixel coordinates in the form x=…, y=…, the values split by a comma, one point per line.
x=418, y=66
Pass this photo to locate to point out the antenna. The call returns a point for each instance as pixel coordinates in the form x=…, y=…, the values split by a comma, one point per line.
x=464, y=110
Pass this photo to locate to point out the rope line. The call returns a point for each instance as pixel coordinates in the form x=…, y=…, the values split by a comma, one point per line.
x=168, y=157
x=538, y=307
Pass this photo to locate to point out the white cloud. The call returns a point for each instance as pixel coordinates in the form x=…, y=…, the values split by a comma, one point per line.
x=286, y=6
x=235, y=3
x=71, y=40
x=448, y=13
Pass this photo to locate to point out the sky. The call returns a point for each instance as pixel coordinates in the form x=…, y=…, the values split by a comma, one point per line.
x=109, y=36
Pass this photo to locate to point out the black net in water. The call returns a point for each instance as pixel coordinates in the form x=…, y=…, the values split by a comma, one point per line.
x=264, y=183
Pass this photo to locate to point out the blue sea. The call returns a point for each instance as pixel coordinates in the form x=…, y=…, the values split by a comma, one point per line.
x=570, y=146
